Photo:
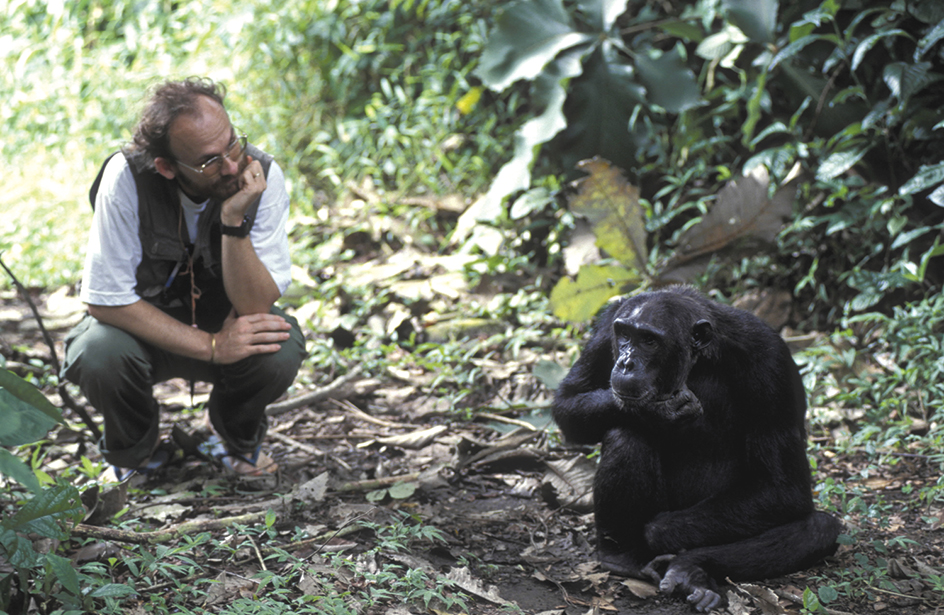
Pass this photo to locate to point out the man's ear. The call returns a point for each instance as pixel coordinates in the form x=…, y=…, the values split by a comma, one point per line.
x=165, y=168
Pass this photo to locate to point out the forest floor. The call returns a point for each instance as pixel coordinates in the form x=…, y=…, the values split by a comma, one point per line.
x=381, y=447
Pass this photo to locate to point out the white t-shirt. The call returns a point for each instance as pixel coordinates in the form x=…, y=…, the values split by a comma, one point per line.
x=114, y=247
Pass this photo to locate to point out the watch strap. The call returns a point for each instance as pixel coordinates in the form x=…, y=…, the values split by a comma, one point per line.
x=236, y=231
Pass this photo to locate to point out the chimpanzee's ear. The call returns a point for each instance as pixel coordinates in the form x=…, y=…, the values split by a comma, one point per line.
x=702, y=334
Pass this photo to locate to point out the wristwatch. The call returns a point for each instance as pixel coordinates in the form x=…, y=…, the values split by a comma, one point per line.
x=236, y=231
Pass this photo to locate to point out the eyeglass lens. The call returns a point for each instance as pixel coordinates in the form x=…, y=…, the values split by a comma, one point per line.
x=213, y=166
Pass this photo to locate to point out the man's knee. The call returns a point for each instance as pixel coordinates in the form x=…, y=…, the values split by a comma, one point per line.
x=95, y=350
x=276, y=370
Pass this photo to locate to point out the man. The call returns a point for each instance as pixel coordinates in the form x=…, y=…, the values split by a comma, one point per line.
x=187, y=255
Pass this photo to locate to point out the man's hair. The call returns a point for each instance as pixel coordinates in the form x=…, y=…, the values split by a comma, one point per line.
x=169, y=101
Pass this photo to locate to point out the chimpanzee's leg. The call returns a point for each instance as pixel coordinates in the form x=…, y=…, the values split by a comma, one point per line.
x=627, y=493
x=781, y=550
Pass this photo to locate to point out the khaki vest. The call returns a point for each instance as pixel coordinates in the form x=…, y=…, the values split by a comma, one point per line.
x=163, y=276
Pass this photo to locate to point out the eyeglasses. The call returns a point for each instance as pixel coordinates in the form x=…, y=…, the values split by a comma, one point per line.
x=214, y=165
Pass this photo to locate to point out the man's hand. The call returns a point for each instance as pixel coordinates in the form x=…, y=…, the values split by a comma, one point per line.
x=252, y=183
x=248, y=335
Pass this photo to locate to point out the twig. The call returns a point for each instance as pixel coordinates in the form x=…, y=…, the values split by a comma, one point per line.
x=504, y=419
x=255, y=548
x=376, y=483
x=347, y=406
x=54, y=358
x=292, y=442
x=315, y=396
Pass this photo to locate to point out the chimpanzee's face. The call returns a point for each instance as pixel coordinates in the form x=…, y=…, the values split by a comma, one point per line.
x=655, y=345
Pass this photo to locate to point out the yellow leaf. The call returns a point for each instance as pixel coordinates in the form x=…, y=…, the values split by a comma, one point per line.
x=468, y=102
x=578, y=300
x=611, y=204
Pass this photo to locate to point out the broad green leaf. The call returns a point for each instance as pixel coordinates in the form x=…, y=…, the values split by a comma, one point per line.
x=798, y=45
x=927, y=176
x=754, y=108
x=602, y=14
x=600, y=107
x=906, y=238
x=13, y=467
x=929, y=40
x=61, y=569
x=755, y=18
x=113, y=590
x=42, y=513
x=720, y=44
x=28, y=393
x=528, y=36
x=376, y=496
x=549, y=92
x=401, y=491
x=534, y=200
x=611, y=204
x=579, y=300
x=937, y=197
x=917, y=273
x=669, y=82
x=868, y=42
x=22, y=422
x=838, y=163
x=683, y=30
x=18, y=550
x=827, y=594
x=906, y=80
x=549, y=373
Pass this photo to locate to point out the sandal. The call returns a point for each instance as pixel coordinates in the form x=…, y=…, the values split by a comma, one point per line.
x=239, y=464
x=162, y=456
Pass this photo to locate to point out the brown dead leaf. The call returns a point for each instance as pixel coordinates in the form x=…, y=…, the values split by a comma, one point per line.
x=464, y=579
x=572, y=479
x=641, y=589
x=763, y=598
x=227, y=588
x=611, y=204
x=415, y=440
x=742, y=218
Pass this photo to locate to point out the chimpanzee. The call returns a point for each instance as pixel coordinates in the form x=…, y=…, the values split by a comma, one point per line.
x=703, y=472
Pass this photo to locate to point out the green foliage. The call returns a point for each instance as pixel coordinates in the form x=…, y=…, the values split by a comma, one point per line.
x=848, y=95
x=27, y=416
x=339, y=92
x=577, y=60
x=373, y=90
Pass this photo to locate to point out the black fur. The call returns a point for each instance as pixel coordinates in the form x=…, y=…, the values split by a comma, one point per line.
x=703, y=472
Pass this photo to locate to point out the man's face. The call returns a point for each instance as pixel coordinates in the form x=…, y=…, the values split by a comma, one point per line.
x=195, y=139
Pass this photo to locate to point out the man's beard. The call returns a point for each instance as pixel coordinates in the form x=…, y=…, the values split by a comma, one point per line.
x=220, y=189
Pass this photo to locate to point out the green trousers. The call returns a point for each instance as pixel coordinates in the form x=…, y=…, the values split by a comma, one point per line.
x=116, y=372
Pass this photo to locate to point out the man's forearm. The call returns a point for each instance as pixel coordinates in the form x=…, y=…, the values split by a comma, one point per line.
x=248, y=283
x=150, y=324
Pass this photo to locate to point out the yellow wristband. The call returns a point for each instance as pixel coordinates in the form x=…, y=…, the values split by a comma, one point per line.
x=212, y=347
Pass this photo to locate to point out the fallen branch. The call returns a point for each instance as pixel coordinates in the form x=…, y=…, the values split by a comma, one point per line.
x=82, y=530
x=315, y=396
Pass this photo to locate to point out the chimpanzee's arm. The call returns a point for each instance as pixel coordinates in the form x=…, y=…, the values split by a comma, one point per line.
x=584, y=407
